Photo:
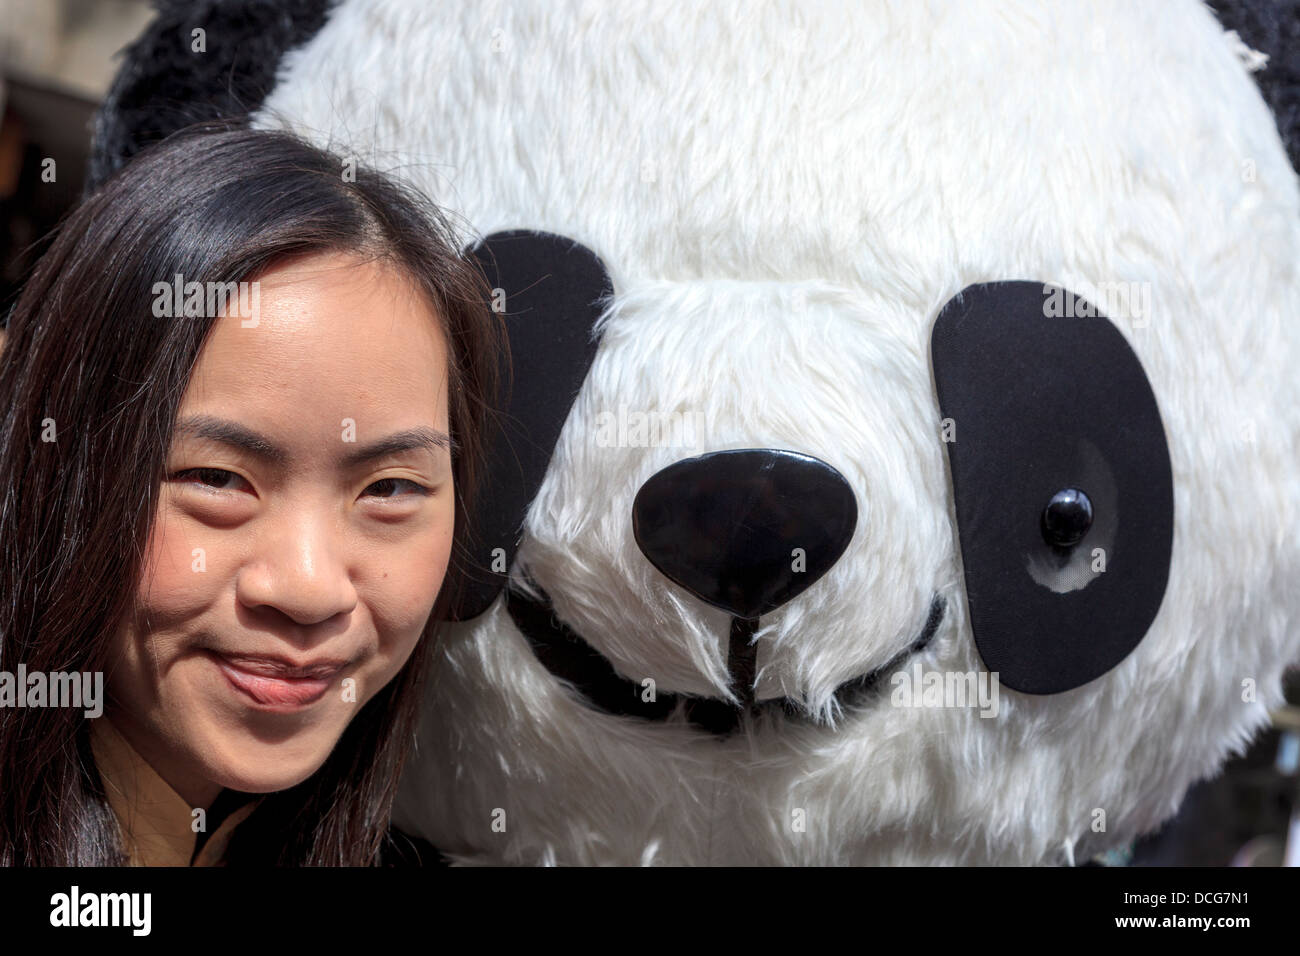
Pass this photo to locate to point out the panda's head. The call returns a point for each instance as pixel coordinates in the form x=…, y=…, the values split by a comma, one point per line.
x=857, y=357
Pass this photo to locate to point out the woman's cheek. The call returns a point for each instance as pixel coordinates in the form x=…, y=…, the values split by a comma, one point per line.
x=177, y=585
x=181, y=565
x=406, y=591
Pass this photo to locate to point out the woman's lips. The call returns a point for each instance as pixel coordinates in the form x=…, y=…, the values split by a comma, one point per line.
x=271, y=684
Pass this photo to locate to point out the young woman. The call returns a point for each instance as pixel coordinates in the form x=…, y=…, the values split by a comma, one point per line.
x=243, y=401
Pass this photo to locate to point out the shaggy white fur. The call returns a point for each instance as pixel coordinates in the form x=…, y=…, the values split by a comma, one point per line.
x=785, y=196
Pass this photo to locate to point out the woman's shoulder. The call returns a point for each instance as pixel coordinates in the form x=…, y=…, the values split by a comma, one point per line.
x=403, y=849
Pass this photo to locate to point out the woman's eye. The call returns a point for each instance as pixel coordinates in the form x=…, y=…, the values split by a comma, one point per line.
x=395, y=488
x=217, y=479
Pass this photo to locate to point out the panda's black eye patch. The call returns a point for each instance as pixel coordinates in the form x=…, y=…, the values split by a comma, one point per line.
x=550, y=292
x=1061, y=479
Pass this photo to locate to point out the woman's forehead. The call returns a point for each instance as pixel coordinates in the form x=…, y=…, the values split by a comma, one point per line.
x=332, y=337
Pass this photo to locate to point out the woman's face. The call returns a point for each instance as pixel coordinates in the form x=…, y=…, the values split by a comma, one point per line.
x=303, y=531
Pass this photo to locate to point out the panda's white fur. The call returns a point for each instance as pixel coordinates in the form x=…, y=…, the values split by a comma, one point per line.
x=785, y=195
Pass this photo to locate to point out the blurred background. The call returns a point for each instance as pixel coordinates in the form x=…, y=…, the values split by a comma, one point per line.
x=57, y=60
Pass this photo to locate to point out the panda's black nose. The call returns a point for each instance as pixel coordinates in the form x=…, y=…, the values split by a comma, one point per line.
x=747, y=529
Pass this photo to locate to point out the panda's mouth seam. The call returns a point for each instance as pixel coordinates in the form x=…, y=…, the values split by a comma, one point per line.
x=571, y=659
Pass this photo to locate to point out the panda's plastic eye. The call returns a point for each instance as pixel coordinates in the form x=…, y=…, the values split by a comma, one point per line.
x=1067, y=518
x=1061, y=482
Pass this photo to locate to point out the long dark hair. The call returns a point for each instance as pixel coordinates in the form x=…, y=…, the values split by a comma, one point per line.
x=217, y=203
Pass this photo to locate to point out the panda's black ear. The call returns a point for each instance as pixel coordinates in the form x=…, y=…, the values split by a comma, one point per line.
x=173, y=76
x=550, y=291
x=1272, y=28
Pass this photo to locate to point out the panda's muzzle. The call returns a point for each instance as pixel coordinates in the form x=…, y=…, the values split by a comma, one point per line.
x=744, y=530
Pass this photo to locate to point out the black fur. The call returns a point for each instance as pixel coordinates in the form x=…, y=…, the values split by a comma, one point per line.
x=162, y=86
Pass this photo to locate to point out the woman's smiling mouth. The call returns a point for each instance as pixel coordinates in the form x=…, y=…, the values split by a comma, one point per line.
x=276, y=684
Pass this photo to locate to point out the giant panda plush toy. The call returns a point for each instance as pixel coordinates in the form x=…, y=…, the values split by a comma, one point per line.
x=901, y=465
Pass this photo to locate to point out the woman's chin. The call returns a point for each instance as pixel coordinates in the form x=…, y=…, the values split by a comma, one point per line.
x=241, y=745
x=250, y=753
x=262, y=768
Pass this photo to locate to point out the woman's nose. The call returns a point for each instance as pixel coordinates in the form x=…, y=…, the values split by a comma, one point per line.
x=300, y=568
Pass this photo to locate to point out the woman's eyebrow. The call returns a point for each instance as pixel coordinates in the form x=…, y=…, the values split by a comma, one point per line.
x=259, y=446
